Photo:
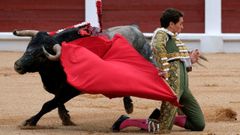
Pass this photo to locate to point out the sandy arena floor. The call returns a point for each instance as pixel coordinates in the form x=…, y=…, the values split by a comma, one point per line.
x=217, y=88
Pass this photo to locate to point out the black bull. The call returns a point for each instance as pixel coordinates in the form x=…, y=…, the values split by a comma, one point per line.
x=53, y=77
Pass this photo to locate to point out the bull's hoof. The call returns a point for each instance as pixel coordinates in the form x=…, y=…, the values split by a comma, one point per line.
x=65, y=117
x=28, y=124
x=68, y=123
x=128, y=105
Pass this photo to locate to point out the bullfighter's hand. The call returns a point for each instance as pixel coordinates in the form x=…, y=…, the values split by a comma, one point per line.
x=194, y=55
x=161, y=73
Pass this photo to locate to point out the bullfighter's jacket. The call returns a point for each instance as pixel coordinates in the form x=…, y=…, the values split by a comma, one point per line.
x=170, y=55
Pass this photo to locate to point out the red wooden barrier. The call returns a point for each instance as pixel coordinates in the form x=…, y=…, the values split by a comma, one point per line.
x=146, y=13
x=40, y=15
x=230, y=16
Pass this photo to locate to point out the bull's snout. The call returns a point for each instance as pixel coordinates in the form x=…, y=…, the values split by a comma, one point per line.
x=18, y=68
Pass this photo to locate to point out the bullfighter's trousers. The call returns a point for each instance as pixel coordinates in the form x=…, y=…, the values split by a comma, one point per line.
x=178, y=81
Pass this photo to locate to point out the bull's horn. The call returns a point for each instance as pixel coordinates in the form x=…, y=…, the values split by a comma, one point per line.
x=30, y=33
x=56, y=49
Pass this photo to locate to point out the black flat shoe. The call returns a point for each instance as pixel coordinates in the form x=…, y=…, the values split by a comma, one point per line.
x=116, y=125
x=155, y=114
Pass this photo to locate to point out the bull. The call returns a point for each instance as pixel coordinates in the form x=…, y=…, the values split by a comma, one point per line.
x=42, y=54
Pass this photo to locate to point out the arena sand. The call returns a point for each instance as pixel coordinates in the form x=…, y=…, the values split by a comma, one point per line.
x=216, y=87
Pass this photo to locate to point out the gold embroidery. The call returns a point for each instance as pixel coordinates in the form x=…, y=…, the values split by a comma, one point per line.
x=168, y=111
x=162, y=59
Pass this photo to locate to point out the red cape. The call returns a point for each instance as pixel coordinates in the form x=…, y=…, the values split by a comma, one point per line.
x=97, y=65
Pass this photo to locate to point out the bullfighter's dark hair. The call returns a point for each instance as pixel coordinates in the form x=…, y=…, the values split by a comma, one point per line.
x=170, y=15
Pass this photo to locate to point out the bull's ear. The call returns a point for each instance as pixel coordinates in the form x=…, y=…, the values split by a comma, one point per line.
x=28, y=33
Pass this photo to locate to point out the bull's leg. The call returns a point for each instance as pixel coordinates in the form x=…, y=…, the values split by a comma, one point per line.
x=128, y=105
x=64, y=116
x=49, y=106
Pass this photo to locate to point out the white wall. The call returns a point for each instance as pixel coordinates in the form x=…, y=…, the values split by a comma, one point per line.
x=9, y=42
x=91, y=12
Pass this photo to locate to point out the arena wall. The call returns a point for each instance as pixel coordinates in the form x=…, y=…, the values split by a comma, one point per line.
x=210, y=26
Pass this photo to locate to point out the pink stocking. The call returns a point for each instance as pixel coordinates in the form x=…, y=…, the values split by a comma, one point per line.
x=180, y=120
x=141, y=123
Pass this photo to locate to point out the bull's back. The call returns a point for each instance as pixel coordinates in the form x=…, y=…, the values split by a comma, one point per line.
x=134, y=36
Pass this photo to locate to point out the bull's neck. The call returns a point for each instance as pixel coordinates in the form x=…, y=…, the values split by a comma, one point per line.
x=52, y=75
x=51, y=69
